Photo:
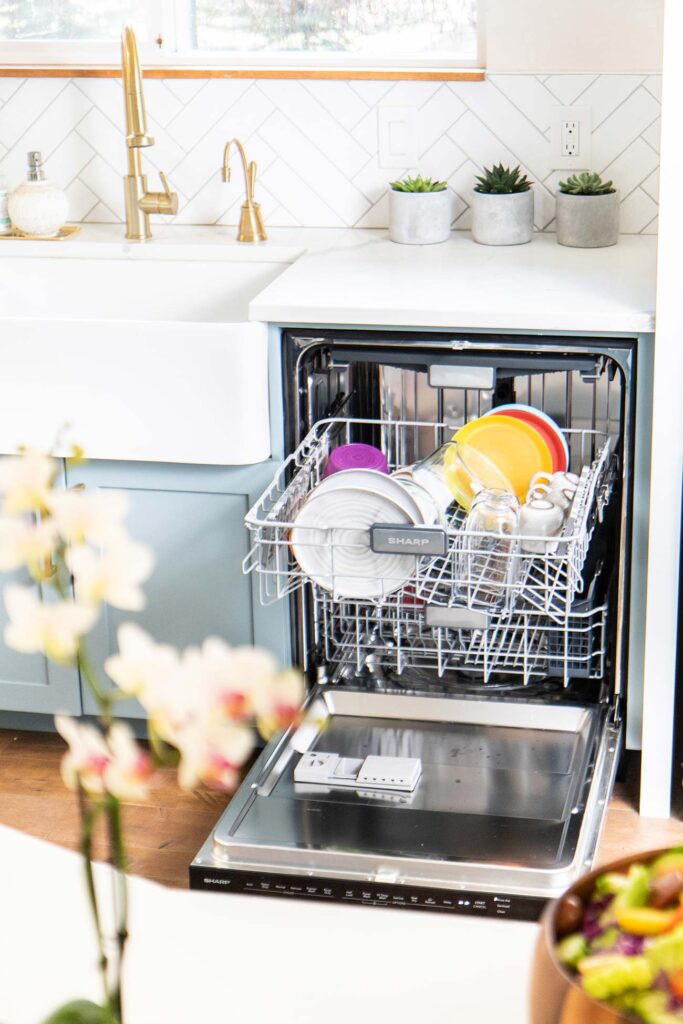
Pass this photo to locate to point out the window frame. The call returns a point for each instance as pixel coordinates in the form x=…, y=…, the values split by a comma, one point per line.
x=167, y=20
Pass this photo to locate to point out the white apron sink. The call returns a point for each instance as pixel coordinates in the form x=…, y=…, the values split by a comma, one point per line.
x=143, y=360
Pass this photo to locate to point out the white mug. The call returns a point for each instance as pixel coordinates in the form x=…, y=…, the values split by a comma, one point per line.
x=555, y=481
x=553, y=486
x=563, y=499
x=540, y=517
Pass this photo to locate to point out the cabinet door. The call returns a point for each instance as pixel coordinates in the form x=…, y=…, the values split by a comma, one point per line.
x=192, y=518
x=29, y=682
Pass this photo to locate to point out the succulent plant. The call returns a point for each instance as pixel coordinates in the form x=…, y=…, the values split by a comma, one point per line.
x=418, y=184
x=586, y=184
x=500, y=181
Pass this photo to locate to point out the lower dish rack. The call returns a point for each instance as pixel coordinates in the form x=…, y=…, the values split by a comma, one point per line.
x=544, y=621
x=394, y=637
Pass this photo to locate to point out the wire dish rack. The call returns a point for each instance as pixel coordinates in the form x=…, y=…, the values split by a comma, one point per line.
x=531, y=614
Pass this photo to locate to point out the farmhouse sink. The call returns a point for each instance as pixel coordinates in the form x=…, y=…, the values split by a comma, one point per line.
x=145, y=360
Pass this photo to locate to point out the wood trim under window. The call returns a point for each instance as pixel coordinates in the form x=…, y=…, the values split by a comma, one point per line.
x=421, y=74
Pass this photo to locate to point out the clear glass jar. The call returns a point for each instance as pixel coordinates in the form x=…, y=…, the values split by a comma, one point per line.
x=459, y=471
x=489, y=545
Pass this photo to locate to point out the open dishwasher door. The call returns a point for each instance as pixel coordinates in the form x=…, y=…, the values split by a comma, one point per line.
x=451, y=757
x=505, y=812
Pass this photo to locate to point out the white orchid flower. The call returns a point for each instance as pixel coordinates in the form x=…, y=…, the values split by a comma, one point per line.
x=237, y=678
x=23, y=542
x=181, y=701
x=114, y=576
x=97, y=517
x=212, y=752
x=53, y=628
x=113, y=764
x=128, y=771
x=142, y=667
x=26, y=482
x=87, y=758
x=281, y=705
x=205, y=701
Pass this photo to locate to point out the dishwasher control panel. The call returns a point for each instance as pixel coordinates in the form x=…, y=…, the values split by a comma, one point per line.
x=369, y=894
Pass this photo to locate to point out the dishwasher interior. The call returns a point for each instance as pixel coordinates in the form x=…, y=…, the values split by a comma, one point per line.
x=456, y=752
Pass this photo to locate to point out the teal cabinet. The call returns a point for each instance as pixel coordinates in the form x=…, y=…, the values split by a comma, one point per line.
x=29, y=682
x=192, y=518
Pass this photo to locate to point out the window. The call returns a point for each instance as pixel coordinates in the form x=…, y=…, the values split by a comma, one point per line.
x=266, y=33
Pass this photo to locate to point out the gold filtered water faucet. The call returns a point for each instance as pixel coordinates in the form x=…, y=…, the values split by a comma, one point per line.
x=139, y=202
x=251, y=226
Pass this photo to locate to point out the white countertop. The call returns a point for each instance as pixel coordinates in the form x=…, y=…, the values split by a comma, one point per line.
x=204, y=957
x=197, y=243
x=358, y=277
x=541, y=286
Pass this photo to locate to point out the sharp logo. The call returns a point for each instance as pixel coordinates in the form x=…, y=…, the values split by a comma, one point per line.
x=411, y=542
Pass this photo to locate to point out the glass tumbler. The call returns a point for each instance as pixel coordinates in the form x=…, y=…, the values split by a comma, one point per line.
x=459, y=471
x=489, y=545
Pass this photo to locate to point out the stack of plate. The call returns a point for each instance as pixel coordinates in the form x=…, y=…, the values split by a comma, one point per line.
x=331, y=535
x=520, y=441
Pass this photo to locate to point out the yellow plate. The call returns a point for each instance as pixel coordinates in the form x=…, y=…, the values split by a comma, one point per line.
x=515, y=447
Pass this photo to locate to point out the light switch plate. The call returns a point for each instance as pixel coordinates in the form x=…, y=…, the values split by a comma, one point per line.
x=570, y=130
x=397, y=136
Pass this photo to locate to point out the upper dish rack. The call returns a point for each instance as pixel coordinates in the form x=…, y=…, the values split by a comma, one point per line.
x=530, y=628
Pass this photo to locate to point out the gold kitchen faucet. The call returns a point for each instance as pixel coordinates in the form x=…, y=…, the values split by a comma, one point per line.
x=139, y=202
x=251, y=227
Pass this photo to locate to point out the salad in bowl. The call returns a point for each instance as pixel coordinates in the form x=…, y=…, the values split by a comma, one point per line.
x=612, y=946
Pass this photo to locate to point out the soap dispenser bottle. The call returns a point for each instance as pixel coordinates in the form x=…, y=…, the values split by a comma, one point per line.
x=37, y=207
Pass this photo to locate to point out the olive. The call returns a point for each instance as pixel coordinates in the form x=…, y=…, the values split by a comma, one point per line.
x=666, y=889
x=569, y=915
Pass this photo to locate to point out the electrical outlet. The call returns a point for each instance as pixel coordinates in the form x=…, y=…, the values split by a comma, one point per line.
x=571, y=138
x=397, y=137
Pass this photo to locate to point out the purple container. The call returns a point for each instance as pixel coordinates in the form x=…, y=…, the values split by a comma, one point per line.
x=356, y=456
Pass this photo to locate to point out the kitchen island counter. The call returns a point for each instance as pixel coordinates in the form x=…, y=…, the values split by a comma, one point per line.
x=196, y=957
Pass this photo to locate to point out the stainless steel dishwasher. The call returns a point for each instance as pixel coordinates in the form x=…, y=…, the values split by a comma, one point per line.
x=450, y=757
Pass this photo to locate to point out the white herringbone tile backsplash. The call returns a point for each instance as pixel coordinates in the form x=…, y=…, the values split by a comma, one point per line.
x=316, y=141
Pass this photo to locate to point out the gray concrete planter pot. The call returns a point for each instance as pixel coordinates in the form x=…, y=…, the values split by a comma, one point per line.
x=420, y=218
x=502, y=219
x=587, y=222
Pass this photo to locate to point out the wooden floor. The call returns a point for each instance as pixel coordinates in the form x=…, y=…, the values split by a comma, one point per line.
x=164, y=834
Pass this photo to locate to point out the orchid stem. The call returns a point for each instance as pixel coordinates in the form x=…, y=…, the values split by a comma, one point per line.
x=118, y=863
x=88, y=819
x=89, y=673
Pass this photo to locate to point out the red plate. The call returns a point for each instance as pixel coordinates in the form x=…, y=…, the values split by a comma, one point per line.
x=545, y=427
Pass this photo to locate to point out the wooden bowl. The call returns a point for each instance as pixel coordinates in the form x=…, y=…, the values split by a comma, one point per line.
x=556, y=997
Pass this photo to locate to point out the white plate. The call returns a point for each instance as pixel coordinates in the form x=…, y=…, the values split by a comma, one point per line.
x=376, y=483
x=331, y=542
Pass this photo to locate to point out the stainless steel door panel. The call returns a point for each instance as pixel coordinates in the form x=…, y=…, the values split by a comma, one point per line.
x=516, y=799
